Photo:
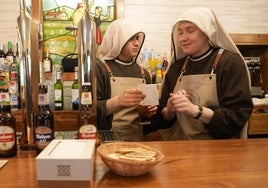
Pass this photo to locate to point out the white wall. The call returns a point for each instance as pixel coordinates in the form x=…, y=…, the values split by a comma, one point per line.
x=156, y=17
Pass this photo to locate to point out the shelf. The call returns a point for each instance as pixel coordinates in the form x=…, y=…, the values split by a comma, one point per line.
x=250, y=39
x=65, y=120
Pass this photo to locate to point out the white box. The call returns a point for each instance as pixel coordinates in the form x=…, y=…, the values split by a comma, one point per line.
x=64, y=160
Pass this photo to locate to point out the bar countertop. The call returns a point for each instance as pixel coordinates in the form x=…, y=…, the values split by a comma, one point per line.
x=211, y=163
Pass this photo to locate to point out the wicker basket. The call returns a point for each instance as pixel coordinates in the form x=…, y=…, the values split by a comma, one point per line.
x=126, y=167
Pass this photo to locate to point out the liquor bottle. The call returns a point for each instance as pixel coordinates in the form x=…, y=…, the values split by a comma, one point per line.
x=75, y=91
x=9, y=54
x=164, y=65
x=14, y=85
x=87, y=114
x=44, y=121
x=47, y=63
x=8, y=141
x=151, y=59
x=145, y=61
x=153, y=76
x=158, y=74
x=2, y=58
x=58, y=92
x=17, y=53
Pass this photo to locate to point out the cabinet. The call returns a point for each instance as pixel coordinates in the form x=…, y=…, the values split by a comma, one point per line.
x=256, y=45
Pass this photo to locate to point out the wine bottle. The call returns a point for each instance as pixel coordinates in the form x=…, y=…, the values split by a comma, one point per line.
x=2, y=58
x=14, y=85
x=75, y=91
x=9, y=54
x=58, y=91
x=8, y=141
x=44, y=121
x=47, y=63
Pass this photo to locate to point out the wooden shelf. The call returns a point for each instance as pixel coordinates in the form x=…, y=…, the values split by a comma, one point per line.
x=65, y=120
x=258, y=122
x=250, y=39
x=66, y=76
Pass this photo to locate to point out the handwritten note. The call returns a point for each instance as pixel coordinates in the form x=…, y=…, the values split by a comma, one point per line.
x=150, y=90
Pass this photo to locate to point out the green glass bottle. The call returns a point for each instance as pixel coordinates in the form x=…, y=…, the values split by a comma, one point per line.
x=58, y=91
x=10, y=53
x=75, y=91
x=14, y=85
x=2, y=58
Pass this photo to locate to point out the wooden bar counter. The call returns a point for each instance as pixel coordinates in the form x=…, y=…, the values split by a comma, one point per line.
x=213, y=163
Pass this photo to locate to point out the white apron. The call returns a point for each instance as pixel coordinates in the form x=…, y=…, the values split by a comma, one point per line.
x=202, y=91
x=125, y=121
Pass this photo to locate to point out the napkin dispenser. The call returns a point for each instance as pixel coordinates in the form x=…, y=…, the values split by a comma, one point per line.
x=66, y=160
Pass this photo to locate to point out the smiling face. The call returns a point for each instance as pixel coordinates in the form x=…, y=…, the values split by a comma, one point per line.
x=191, y=39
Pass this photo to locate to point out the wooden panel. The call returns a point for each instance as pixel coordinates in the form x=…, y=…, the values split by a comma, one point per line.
x=66, y=76
x=250, y=39
x=258, y=122
x=65, y=120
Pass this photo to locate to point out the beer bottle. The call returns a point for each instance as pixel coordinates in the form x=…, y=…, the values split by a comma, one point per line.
x=8, y=142
x=44, y=121
x=87, y=114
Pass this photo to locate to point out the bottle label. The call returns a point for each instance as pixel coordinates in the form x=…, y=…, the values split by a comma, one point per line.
x=75, y=95
x=13, y=87
x=58, y=95
x=43, y=99
x=47, y=66
x=4, y=97
x=86, y=98
x=14, y=102
x=88, y=132
x=2, y=64
x=9, y=59
x=43, y=136
x=7, y=138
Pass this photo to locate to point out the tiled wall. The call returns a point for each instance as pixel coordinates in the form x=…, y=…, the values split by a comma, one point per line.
x=156, y=17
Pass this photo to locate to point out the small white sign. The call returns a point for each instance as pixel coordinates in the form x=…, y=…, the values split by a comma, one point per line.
x=151, y=92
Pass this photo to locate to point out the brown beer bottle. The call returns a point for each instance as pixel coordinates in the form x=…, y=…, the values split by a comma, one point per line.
x=8, y=142
x=44, y=121
x=87, y=114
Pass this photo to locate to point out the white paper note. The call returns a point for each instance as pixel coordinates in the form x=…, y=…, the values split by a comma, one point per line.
x=2, y=163
x=150, y=90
